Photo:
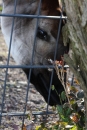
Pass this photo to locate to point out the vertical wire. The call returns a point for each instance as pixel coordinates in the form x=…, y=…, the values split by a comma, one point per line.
x=3, y=95
x=31, y=62
x=57, y=42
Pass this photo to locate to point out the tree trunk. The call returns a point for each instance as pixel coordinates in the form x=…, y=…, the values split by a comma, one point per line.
x=75, y=33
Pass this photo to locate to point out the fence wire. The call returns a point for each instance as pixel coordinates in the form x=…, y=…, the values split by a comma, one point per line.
x=30, y=66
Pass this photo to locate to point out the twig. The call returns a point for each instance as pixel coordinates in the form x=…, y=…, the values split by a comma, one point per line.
x=61, y=78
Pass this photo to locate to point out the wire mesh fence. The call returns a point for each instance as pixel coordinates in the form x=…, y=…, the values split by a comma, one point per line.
x=32, y=30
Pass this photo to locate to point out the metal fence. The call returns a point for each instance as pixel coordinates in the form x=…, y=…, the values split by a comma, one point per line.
x=31, y=66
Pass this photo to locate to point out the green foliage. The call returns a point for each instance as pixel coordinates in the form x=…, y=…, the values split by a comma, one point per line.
x=63, y=96
x=0, y=8
x=53, y=87
x=41, y=127
x=71, y=115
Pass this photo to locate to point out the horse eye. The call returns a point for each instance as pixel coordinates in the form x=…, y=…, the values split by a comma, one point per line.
x=42, y=34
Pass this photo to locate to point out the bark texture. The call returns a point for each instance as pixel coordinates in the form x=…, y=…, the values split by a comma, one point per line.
x=75, y=33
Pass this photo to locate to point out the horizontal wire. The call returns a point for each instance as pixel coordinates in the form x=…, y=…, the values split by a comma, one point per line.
x=22, y=113
x=33, y=16
x=26, y=66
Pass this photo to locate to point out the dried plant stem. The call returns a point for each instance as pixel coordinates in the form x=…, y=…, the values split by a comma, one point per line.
x=61, y=78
